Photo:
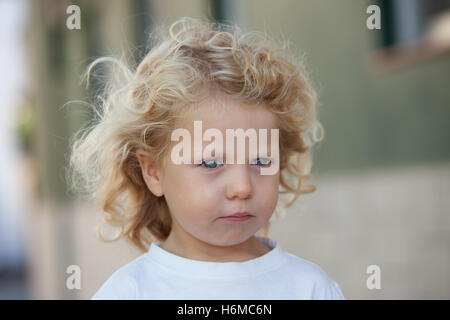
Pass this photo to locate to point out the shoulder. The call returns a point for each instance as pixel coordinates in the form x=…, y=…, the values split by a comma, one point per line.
x=312, y=275
x=123, y=283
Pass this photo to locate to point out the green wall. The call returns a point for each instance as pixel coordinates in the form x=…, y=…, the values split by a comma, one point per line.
x=395, y=118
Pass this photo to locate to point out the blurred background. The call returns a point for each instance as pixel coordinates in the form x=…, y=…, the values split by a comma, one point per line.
x=382, y=172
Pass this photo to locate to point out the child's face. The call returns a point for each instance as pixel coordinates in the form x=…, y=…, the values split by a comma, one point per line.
x=198, y=196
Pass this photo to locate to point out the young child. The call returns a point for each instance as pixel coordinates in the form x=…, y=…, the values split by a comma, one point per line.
x=198, y=221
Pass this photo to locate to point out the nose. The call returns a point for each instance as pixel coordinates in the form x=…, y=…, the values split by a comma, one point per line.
x=239, y=184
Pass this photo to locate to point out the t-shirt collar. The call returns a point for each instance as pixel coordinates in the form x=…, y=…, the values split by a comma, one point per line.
x=197, y=268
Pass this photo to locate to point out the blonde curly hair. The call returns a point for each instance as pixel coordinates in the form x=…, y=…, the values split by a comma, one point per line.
x=139, y=108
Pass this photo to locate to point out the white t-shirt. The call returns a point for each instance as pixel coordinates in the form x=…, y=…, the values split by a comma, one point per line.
x=159, y=274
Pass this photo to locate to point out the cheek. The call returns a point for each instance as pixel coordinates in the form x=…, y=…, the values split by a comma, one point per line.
x=269, y=192
x=190, y=193
x=199, y=187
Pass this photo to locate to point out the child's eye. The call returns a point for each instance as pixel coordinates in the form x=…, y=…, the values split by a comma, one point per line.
x=211, y=164
x=263, y=162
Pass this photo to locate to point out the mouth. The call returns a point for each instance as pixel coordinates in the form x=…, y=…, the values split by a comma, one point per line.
x=238, y=216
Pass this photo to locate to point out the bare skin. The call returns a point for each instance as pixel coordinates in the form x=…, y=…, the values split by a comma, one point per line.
x=185, y=245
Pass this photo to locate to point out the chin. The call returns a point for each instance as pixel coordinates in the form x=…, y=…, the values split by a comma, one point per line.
x=231, y=241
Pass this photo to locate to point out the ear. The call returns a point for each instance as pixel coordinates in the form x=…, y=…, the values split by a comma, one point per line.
x=150, y=172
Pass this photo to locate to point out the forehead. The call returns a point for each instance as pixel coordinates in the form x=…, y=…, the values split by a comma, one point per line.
x=222, y=112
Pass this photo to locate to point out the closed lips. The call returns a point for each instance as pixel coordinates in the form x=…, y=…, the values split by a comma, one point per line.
x=239, y=214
